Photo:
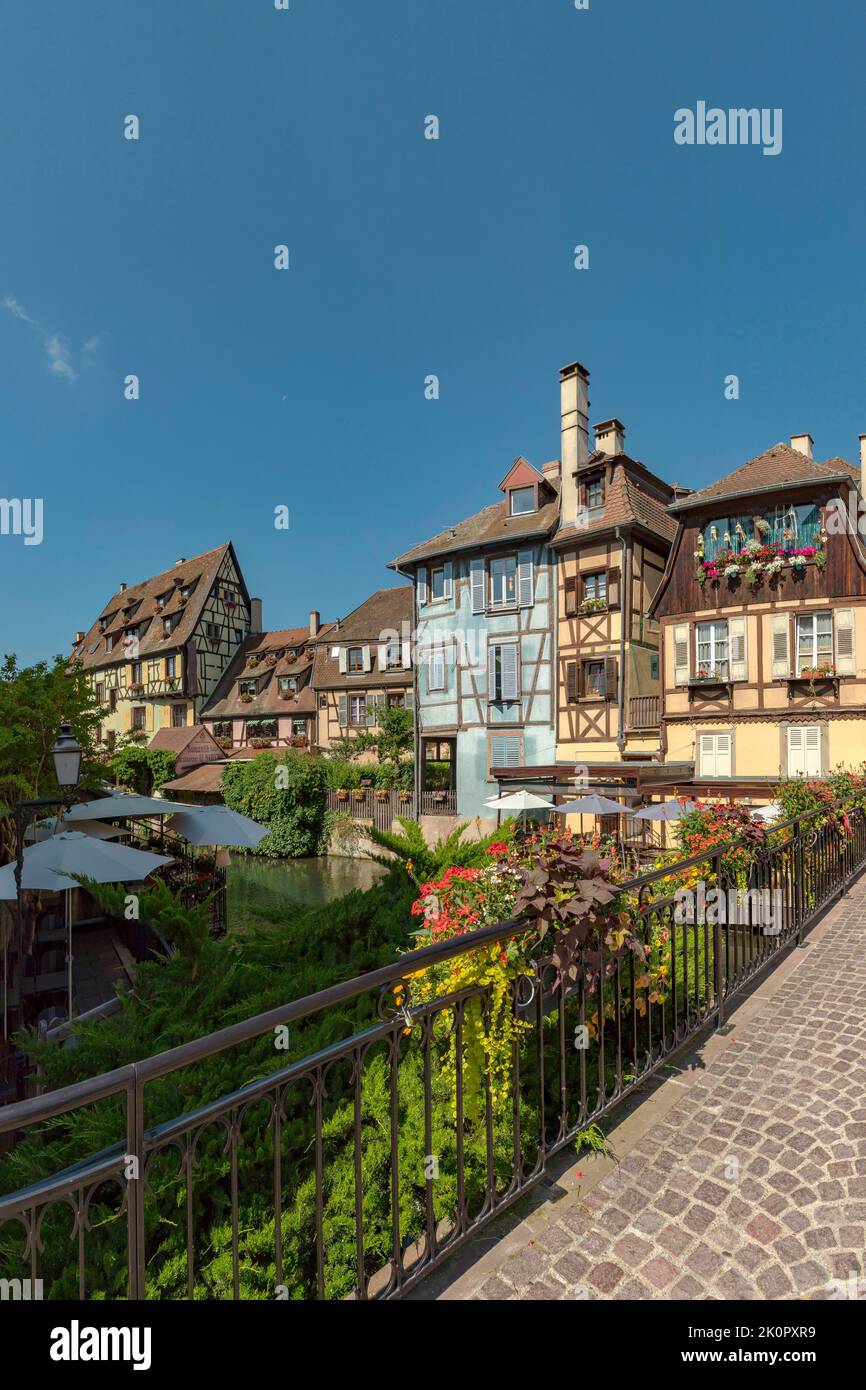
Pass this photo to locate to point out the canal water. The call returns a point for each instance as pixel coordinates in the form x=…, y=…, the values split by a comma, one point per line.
x=270, y=883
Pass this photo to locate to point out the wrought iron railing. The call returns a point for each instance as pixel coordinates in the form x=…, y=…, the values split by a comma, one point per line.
x=356, y=1169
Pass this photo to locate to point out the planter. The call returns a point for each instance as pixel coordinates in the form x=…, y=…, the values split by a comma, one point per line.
x=341, y=794
x=383, y=796
x=359, y=795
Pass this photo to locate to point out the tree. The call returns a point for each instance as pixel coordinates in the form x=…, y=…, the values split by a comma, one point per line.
x=143, y=769
x=34, y=701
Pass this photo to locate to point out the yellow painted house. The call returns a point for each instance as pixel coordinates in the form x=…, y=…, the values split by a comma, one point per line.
x=157, y=649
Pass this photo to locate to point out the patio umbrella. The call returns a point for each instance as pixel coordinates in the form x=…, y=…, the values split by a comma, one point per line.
x=772, y=812
x=592, y=806
x=521, y=801
x=217, y=825
x=665, y=810
x=44, y=829
x=48, y=864
x=122, y=804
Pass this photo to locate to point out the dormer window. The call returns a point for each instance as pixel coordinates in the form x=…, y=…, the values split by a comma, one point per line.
x=247, y=687
x=594, y=492
x=355, y=660
x=170, y=623
x=289, y=685
x=521, y=501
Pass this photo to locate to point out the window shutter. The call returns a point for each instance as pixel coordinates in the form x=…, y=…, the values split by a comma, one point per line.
x=366, y=659
x=706, y=756
x=610, y=681
x=571, y=598
x=409, y=699
x=780, y=630
x=510, y=672
x=449, y=579
x=342, y=661
x=571, y=682
x=613, y=588
x=436, y=670
x=525, y=579
x=406, y=654
x=682, y=665
x=492, y=693
x=739, y=663
x=343, y=711
x=843, y=631
x=477, y=577
x=581, y=680
x=421, y=583
x=723, y=755
x=505, y=750
x=812, y=750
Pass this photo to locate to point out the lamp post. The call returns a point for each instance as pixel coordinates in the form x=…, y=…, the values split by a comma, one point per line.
x=66, y=755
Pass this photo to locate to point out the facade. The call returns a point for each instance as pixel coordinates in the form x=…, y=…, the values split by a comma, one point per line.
x=485, y=642
x=763, y=620
x=361, y=664
x=158, y=649
x=611, y=548
x=265, y=696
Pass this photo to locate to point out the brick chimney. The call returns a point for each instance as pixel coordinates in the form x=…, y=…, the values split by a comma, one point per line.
x=315, y=622
x=803, y=443
x=610, y=437
x=574, y=413
x=255, y=615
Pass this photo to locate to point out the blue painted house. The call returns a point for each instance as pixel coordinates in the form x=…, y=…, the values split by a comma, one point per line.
x=485, y=636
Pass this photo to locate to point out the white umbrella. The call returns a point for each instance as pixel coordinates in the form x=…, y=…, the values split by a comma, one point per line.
x=665, y=810
x=48, y=864
x=772, y=812
x=44, y=829
x=123, y=804
x=217, y=825
x=592, y=806
x=519, y=801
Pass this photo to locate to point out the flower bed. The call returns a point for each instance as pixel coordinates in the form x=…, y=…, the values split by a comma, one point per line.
x=757, y=560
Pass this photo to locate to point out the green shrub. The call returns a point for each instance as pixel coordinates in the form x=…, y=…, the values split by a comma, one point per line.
x=286, y=794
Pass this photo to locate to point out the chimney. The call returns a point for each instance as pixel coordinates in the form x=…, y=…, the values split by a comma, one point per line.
x=862, y=438
x=123, y=588
x=255, y=615
x=803, y=443
x=315, y=622
x=574, y=413
x=551, y=470
x=610, y=437
x=79, y=637
x=181, y=561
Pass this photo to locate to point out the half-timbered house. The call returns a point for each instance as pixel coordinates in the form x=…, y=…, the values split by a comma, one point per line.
x=763, y=618
x=484, y=594
x=265, y=696
x=157, y=649
x=362, y=664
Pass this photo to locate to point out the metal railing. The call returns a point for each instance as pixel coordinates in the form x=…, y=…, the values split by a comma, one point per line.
x=356, y=1168
x=367, y=803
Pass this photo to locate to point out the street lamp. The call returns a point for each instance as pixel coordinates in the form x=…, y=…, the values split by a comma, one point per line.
x=67, y=759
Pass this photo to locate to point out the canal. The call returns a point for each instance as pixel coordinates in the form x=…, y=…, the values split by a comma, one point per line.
x=255, y=884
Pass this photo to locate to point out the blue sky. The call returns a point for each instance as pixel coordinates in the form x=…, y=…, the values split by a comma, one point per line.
x=305, y=388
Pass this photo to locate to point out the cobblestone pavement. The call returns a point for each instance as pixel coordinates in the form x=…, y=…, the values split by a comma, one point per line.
x=753, y=1185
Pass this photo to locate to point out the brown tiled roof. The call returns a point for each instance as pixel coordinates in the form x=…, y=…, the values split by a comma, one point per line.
x=206, y=778
x=203, y=569
x=176, y=740
x=385, y=611
x=486, y=527
x=627, y=502
x=225, y=701
x=776, y=468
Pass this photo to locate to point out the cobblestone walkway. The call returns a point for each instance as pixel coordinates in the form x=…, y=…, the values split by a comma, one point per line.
x=754, y=1183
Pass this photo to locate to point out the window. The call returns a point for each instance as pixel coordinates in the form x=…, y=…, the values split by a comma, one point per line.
x=358, y=709
x=100, y=692
x=112, y=699
x=437, y=584
x=436, y=669
x=396, y=701
x=506, y=750
x=136, y=673
x=503, y=582
x=212, y=632
x=437, y=750
x=804, y=750
x=241, y=633
x=654, y=668
x=503, y=672
x=110, y=641
x=711, y=649
x=355, y=660
x=178, y=716
x=247, y=687
x=522, y=500
x=715, y=755
x=299, y=728
x=153, y=671
x=593, y=680
x=139, y=716
x=594, y=492
x=261, y=728
x=393, y=656
x=110, y=740
x=595, y=588
x=786, y=526
x=289, y=685
x=171, y=667
x=169, y=623
x=814, y=641
x=223, y=728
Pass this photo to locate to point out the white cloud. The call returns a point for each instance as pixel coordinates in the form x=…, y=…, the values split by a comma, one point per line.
x=59, y=357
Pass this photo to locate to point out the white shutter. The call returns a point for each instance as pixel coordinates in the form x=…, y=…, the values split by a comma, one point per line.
x=421, y=582
x=436, y=670
x=477, y=578
x=366, y=659
x=706, y=756
x=342, y=661
x=505, y=750
x=812, y=750
x=510, y=664
x=491, y=676
x=739, y=662
x=723, y=755
x=449, y=580
x=796, y=760
x=780, y=630
x=343, y=711
x=682, y=665
x=406, y=654
x=843, y=632
x=525, y=579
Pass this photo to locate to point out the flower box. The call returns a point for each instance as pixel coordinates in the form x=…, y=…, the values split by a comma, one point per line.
x=342, y=794
x=382, y=795
x=359, y=795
